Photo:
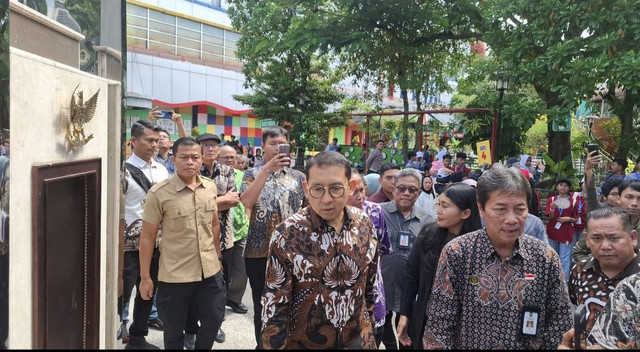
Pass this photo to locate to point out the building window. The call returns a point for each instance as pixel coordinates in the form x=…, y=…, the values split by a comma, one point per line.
x=164, y=33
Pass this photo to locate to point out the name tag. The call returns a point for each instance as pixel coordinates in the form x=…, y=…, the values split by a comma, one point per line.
x=530, y=316
x=404, y=239
x=558, y=225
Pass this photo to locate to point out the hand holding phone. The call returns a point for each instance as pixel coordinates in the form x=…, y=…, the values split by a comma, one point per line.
x=284, y=149
x=592, y=147
x=579, y=325
x=166, y=114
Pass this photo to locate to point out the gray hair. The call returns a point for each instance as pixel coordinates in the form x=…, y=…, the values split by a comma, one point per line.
x=504, y=179
x=408, y=172
x=609, y=212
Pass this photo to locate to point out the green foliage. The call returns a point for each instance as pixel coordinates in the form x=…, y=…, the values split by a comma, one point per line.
x=87, y=14
x=281, y=70
x=536, y=138
x=195, y=131
x=564, y=49
x=555, y=170
x=519, y=108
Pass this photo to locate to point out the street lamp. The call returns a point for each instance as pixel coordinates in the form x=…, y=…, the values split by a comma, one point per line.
x=502, y=84
x=302, y=100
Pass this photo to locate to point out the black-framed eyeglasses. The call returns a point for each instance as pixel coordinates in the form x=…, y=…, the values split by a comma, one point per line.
x=334, y=191
x=412, y=190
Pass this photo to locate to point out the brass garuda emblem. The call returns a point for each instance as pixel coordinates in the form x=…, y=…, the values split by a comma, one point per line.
x=79, y=114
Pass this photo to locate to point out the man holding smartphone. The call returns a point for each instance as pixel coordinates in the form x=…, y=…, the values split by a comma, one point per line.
x=273, y=192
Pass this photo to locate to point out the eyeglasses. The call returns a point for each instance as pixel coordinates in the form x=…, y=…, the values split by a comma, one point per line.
x=207, y=146
x=412, y=190
x=334, y=191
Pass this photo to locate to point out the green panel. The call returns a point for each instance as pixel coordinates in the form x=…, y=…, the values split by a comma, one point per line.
x=236, y=121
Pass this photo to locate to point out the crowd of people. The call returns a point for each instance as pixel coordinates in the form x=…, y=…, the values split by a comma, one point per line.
x=433, y=255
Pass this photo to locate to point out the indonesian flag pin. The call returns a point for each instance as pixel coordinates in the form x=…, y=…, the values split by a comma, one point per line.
x=529, y=276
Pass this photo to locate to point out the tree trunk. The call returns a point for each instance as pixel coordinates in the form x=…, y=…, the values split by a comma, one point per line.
x=624, y=109
x=405, y=124
x=559, y=143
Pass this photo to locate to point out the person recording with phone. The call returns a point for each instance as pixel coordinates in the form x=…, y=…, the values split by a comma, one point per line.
x=164, y=144
x=272, y=191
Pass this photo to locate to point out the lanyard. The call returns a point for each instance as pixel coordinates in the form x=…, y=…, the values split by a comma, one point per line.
x=401, y=222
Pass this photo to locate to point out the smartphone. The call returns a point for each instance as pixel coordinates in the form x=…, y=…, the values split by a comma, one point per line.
x=284, y=149
x=165, y=114
x=592, y=147
x=579, y=325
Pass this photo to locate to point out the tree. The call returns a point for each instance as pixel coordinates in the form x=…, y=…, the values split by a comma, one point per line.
x=564, y=48
x=412, y=44
x=289, y=82
x=520, y=108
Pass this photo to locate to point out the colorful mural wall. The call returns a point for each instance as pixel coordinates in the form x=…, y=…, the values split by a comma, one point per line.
x=209, y=118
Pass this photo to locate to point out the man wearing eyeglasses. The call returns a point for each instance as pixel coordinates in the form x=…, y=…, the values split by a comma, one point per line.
x=319, y=287
x=404, y=221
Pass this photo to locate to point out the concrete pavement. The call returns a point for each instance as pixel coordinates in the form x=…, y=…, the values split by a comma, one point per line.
x=237, y=327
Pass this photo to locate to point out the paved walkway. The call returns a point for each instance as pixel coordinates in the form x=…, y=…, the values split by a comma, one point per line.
x=238, y=327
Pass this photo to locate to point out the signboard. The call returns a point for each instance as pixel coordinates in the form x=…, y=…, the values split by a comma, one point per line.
x=483, y=150
x=561, y=124
x=267, y=123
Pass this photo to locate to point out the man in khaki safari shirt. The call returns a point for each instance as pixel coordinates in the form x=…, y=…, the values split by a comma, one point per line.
x=190, y=276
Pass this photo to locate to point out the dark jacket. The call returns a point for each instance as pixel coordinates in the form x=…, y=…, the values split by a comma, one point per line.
x=418, y=277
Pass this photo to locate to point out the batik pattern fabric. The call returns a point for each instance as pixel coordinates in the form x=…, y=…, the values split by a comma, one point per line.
x=477, y=300
x=224, y=178
x=318, y=290
x=376, y=215
x=590, y=286
x=281, y=197
x=617, y=326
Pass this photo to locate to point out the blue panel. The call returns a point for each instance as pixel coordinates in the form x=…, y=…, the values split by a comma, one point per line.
x=211, y=119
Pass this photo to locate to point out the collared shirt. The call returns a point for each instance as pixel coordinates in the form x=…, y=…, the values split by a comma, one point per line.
x=590, y=286
x=378, y=197
x=318, y=291
x=281, y=196
x=224, y=178
x=134, y=198
x=240, y=220
x=168, y=164
x=477, y=299
x=377, y=218
x=188, y=252
x=394, y=263
x=617, y=327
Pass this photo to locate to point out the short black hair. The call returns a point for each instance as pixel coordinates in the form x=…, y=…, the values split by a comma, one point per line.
x=327, y=159
x=380, y=140
x=388, y=166
x=137, y=129
x=447, y=156
x=610, y=184
x=411, y=154
x=622, y=162
x=461, y=155
x=635, y=184
x=335, y=139
x=186, y=141
x=274, y=131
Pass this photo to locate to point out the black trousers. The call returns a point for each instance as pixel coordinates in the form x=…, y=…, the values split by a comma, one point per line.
x=256, y=268
x=131, y=277
x=205, y=299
